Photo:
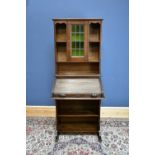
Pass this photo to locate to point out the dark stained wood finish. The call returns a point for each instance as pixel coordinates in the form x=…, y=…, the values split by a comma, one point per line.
x=78, y=115
x=77, y=69
x=78, y=87
x=78, y=107
x=92, y=39
x=78, y=90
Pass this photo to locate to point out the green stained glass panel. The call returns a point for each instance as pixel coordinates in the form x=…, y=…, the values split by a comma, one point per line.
x=77, y=38
x=73, y=45
x=73, y=28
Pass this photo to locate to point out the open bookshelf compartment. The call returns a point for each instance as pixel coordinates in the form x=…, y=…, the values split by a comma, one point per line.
x=78, y=115
x=61, y=52
x=77, y=69
x=94, y=48
x=94, y=32
x=61, y=32
x=78, y=107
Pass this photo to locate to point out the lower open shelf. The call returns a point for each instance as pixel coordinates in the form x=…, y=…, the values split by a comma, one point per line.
x=74, y=116
x=77, y=127
x=79, y=115
x=78, y=107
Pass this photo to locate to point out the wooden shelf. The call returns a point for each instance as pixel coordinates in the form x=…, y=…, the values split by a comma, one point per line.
x=60, y=41
x=78, y=108
x=94, y=38
x=77, y=69
x=95, y=61
x=61, y=52
x=94, y=32
x=80, y=115
x=85, y=112
x=60, y=32
x=79, y=98
x=77, y=127
x=94, y=52
x=77, y=76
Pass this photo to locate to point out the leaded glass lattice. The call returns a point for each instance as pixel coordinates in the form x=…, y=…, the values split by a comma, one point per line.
x=77, y=38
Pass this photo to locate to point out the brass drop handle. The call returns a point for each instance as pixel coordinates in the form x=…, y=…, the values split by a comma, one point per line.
x=94, y=95
x=62, y=95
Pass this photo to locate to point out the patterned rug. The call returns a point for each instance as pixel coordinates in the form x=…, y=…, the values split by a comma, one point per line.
x=40, y=139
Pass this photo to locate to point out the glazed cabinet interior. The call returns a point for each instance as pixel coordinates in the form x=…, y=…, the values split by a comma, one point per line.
x=78, y=89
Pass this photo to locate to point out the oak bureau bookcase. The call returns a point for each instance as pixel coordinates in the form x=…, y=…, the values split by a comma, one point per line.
x=77, y=90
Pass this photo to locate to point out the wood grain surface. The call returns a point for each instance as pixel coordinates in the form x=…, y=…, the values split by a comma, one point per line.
x=77, y=86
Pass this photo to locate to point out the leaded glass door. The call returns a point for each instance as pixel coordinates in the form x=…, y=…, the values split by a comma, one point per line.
x=77, y=41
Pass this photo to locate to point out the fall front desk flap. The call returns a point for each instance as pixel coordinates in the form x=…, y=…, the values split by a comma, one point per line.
x=78, y=88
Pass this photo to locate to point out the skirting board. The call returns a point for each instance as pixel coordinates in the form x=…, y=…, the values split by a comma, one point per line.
x=49, y=111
